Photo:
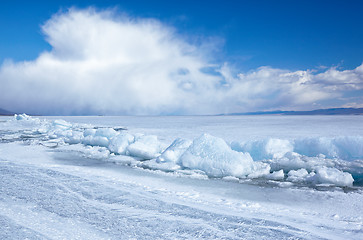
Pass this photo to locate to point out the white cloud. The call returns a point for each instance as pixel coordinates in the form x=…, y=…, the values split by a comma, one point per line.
x=271, y=88
x=104, y=64
x=342, y=80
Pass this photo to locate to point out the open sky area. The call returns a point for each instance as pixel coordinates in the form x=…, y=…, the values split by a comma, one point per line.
x=179, y=57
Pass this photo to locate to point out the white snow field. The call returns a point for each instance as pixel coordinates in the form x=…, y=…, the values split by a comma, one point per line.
x=191, y=177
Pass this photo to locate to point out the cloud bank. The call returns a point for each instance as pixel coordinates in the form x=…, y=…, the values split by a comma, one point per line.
x=101, y=63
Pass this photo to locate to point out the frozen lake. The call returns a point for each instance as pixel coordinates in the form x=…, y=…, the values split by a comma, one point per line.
x=232, y=127
x=247, y=177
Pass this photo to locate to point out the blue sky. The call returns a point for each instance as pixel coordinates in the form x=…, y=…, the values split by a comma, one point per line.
x=282, y=34
x=238, y=40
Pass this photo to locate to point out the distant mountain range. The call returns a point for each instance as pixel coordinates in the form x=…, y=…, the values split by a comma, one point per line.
x=5, y=112
x=329, y=111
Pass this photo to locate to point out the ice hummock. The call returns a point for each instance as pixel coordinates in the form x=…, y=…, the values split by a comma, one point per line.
x=145, y=147
x=213, y=156
x=310, y=161
x=174, y=151
x=343, y=147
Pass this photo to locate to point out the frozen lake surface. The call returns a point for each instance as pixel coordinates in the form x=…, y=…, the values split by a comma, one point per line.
x=210, y=177
x=232, y=127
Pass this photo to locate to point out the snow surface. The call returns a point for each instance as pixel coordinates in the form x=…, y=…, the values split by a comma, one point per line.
x=84, y=178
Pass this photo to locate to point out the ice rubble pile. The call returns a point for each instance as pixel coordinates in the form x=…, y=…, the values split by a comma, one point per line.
x=348, y=148
x=309, y=161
